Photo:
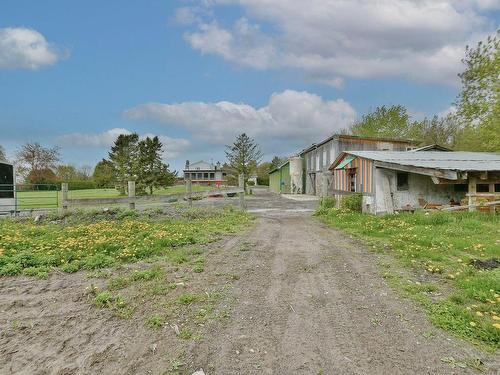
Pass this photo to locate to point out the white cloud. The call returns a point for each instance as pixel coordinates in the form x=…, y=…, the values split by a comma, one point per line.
x=172, y=146
x=289, y=116
x=22, y=48
x=331, y=40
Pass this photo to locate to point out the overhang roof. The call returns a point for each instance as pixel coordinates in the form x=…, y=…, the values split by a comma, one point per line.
x=442, y=160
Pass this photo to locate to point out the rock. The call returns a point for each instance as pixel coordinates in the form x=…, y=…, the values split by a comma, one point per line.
x=199, y=372
x=37, y=218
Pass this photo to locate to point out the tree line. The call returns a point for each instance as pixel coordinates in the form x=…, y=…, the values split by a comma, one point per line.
x=129, y=159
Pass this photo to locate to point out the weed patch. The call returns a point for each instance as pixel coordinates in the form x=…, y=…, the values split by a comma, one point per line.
x=447, y=249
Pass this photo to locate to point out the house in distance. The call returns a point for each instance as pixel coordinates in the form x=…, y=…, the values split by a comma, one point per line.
x=205, y=173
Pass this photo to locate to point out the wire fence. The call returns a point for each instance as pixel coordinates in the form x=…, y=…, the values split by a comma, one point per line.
x=22, y=197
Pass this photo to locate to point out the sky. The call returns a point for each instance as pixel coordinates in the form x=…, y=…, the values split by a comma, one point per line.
x=75, y=74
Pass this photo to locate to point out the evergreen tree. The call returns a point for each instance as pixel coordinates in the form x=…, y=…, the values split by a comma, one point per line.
x=104, y=175
x=243, y=155
x=123, y=157
x=152, y=171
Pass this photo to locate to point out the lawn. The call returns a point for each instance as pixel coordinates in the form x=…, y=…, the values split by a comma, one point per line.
x=92, y=240
x=451, y=259
x=51, y=199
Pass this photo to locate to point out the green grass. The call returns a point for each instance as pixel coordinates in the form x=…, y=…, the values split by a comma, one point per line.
x=93, y=241
x=439, y=247
x=51, y=199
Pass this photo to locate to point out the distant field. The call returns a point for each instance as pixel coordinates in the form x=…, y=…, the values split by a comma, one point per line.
x=51, y=199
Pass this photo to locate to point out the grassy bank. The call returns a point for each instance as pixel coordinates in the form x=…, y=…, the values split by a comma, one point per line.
x=451, y=258
x=92, y=240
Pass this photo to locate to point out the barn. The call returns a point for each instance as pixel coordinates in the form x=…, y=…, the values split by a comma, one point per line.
x=398, y=181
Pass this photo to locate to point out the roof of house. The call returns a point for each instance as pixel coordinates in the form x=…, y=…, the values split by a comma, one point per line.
x=278, y=167
x=443, y=160
x=354, y=138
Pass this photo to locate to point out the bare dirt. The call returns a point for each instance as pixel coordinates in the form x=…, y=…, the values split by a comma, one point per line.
x=306, y=300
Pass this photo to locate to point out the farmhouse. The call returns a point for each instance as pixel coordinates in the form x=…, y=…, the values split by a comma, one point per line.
x=7, y=188
x=397, y=180
x=204, y=173
x=308, y=171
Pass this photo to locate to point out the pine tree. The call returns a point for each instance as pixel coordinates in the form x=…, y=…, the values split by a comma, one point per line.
x=152, y=171
x=123, y=157
x=243, y=154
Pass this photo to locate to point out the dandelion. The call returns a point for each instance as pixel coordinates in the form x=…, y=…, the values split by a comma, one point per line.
x=472, y=324
x=496, y=325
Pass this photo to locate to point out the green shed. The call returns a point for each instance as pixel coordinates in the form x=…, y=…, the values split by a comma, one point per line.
x=280, y=180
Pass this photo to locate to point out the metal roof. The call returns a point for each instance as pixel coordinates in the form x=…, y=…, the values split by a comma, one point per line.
x=445, y=160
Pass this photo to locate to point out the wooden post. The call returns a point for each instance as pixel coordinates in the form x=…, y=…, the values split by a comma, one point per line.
x=491, y=190
x=64, y=198
x=189, y=191
x=472, y=193
x=241, y=184
x=131, y=195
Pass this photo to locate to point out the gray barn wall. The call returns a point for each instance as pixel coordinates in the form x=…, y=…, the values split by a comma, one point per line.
x=319, y=180
x=419, y=186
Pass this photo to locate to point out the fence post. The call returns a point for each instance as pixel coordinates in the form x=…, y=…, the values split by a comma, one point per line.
x=241, y=184
x=189, y=191
x=64, y=198
x=131, y=195
x=472, y=193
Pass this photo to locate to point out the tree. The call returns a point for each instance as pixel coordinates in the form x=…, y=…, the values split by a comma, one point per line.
x=66, y=173
x=104, y=174
x=123, y=157
x=391, y=122
x=478, y=104
x=152, y=171
x=35, y=162
x=3, y=155
x=276, y=162
x=441, y=131
x=243, y=154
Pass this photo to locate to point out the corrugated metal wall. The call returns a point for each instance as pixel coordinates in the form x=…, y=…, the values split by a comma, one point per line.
x=364, y=178
x=280, y=180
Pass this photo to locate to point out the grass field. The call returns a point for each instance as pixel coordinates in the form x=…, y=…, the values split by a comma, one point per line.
x=51, y=199
x=441, y=252
x=92, y=240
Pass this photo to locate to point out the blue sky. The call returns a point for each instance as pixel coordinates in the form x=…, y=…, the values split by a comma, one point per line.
x=76, y=74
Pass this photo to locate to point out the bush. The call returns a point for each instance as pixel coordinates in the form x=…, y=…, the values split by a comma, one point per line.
x=328, y=202
x=250, y=183
x=353, y=202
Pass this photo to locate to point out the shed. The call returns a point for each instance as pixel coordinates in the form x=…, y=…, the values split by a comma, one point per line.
x=392, y=180
x=280, y=179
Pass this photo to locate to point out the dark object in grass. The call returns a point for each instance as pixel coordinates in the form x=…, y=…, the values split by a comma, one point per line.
x=217, y=195
x=231, y=195
x=488, y=264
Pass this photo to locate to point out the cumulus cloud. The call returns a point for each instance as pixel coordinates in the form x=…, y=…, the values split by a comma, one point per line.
x=172, y=146
x=22, y=48
x=289, y=115
x=331, y=40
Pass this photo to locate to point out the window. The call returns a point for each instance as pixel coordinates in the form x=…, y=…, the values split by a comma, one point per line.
x=212, y=176
x=325, y=156
x=317, y=161
x=497, y=188
x=482, y=188
x=460, y=188
x=402, y=181
x=205, y=175
x=352, y=180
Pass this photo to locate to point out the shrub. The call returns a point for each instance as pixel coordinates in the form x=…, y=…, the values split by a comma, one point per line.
x=81, y=185
x=250, y=183
x=328, y=202
x=353, y=202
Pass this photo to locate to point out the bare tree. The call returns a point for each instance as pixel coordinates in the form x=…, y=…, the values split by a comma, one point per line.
x=37, y=163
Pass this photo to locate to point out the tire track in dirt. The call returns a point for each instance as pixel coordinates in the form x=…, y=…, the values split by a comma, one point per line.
x=310, y=301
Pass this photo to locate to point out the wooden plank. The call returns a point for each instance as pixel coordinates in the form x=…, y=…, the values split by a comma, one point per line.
x=457, y=208
x=446, y=174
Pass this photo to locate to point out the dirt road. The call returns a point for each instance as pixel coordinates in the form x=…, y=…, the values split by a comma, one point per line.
x=306, y=300
x=310, y=301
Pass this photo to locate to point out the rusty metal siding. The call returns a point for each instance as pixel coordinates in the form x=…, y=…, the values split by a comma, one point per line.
x=364, y=176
